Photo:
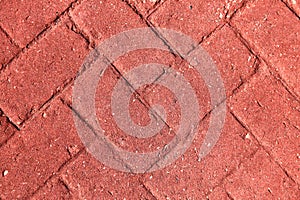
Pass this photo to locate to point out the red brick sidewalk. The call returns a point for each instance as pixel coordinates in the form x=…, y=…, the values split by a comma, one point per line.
x=256, y=47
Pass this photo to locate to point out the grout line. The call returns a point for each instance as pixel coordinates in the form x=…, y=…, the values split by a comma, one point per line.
x=148, y=190
x=270, y=67
x=57, y=173
x=291, y=9
x=263, y=147
x=54, y=96
x=42, y=34
x=9, y=37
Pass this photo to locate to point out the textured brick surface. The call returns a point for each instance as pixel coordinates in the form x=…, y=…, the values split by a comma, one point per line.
x=175, y=181
x=88, y=179
x=294, y=5
x=272, y=115
x=254, y=45
x=261, y=178
x=23, y=20
x=265, y=22
x=7, y=49
x=6, y=128
x=194, y=18
x=37, y=152
x=103, y=19
x=40, y=72
x=54, y=189
x=233, y=60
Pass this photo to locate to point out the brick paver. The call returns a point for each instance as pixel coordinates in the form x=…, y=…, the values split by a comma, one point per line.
x=194, y=18
x=34, y=77
x=294, y=5
x=255, y=46
x=264, y=22
x=176, y=180
x=24, y=20
x=38, y=151
x=275, y=119
x=261, y=179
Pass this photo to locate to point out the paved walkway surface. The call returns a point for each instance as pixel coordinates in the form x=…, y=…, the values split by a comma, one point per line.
x=255, y=46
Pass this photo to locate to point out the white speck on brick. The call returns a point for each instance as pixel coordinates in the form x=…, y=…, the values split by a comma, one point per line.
x=5, y=172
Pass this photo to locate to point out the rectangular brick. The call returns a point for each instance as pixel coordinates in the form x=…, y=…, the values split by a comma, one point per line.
x=272, y=115
x=32, y=155
x=273, y=31
x=23, y=20
x=32, y=79
x=260, y=178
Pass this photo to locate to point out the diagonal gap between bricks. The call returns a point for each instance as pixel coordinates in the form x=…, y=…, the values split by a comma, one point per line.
x=48, y=102
x=240, y=8
x=43, y=33
x=221, y=182
x=76, y=29
x=148, y=190
x=229, y=196
x=156, y=6
x=269, y=154
x=57, y=173
x=62, y=181
x=116, y=157
x=268, y=64
x=9, y=37
x=291, y=9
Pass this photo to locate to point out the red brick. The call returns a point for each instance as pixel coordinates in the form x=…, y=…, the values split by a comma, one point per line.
x=103, y=19
x=89, y=179
x=233, y=60
x=294, y=5
x=23, y=20
x=193, y=18
x=153, y=93
x=32, y=155
x=6, y=128
x=189, y=178
x=54, y=189
x=145, y=7
x=272, y=115
x=40, y=72
x=273, y=31
x=7, y=49
x=260, y=178
x=139, y=115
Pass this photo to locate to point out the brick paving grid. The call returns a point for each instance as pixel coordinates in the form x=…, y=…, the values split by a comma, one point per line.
x=258, y=155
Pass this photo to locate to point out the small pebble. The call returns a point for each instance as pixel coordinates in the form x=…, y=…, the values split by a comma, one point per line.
x=5, y=172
